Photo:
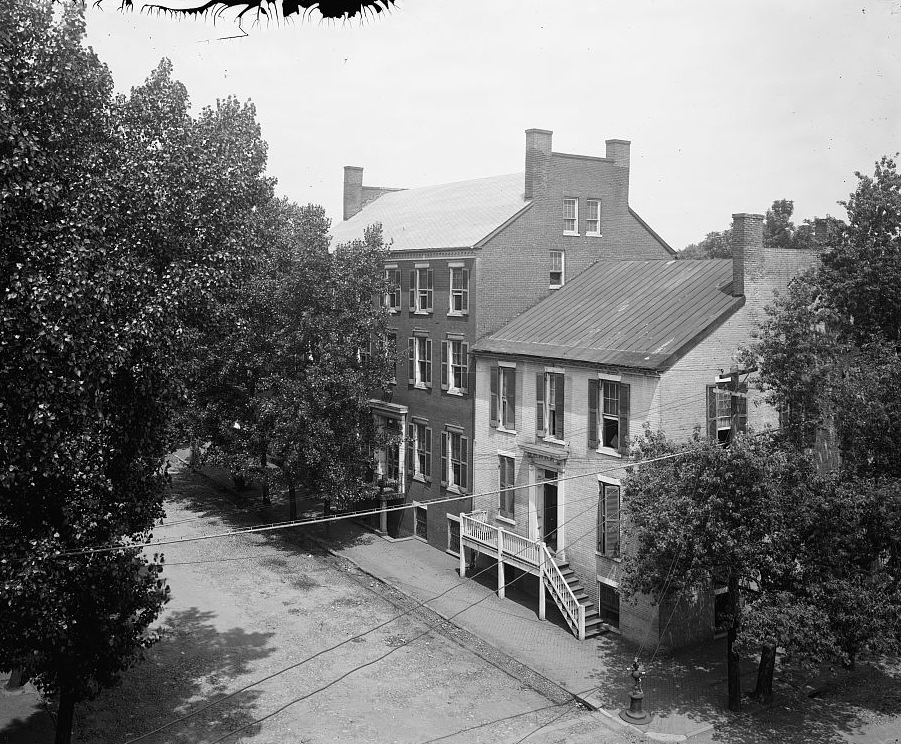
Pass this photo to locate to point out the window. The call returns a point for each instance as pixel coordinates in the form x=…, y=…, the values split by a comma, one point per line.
x=503, y=398
x=550, y=404
x=453, y=534
x=608, y=416
x=421, y=290
x=454, y=460
x=392, y=296
x=608, y=519
x=419, y=450
x=506, y=478
x=459, y=291
x=557, y=269
x=593, y=217
x=608, y=604
x=420, y=362
x=421, y=521
x=570, y=216
x=388, y=458
x=727, y=410
x=455, y=366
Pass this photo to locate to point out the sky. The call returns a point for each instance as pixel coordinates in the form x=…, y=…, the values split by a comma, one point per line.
x=729, y=105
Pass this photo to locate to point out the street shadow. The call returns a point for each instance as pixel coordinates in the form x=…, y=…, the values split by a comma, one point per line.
x=692, y=684
x=193, y=665
x=30, y=729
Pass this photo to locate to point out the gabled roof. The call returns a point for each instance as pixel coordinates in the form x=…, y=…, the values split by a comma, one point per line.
x=640, y=314
x=450, y=215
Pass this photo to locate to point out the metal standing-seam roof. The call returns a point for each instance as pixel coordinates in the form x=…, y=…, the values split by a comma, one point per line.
x=642, y=314
x=450, y=215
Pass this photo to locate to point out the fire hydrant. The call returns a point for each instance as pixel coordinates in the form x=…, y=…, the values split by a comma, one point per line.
x=635, y=714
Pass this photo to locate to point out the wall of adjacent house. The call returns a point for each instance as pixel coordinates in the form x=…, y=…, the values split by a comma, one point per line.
x=515, y=263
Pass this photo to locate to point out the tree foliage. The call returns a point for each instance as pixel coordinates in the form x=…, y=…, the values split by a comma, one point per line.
x=119, y=214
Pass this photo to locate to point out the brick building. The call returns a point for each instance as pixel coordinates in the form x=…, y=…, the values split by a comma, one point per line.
x=562, y=388
x=466, y=258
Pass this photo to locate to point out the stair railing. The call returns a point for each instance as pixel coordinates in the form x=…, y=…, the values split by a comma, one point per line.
x=573, y=610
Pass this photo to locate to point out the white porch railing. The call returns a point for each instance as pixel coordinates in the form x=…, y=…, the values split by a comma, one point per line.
x=505, y=545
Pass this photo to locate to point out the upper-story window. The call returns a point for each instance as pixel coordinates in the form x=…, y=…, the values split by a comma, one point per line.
x=570, y=216
x=392, y=296
x=550, y=404
x=608, y=416
x=558, y=269
x=420, y=362
x=419, y=450
x=421, y=289
x=727, y=410
x=503, y=397
x=454, y=460
x=609, y=506
x=593, y=217
x=459, y=291
x=455, y=366
x=506, y=476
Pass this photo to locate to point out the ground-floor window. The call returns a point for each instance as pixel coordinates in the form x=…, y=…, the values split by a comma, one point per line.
x=453, y=534
x=421, y=521
x=608, y=604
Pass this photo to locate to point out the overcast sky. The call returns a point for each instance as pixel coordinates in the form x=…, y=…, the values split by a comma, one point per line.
x=729, y=105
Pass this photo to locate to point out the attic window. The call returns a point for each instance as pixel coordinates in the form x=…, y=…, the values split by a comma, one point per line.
x=557, y=273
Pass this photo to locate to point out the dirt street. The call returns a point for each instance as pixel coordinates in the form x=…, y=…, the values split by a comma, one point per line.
x=264, y=605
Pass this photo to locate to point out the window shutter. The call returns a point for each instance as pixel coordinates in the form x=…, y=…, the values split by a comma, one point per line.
x=602, y=510
x=412, y=293
x=623, y=419
x=740, y=409
x=445, y=353
x=427, y=470
x=428, y=362
x=711, y=411
x=560, y=407
x=463, y=384
x=611, y=523
x=539, y=404
x=443, y=458
x=464, y=463
x=511, y=399
x=493, y=408
x=430, y=281
x=593, y=414
x=411, y=450
x=465, y=301
x=411, y=362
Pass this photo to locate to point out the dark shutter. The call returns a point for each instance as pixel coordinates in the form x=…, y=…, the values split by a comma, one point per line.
x=430, y=282
x=711, y=411
x=611, y=521
x=560, y=407
x=427, y=470
x=428, y=363
x=411, y=451
x=464, y=463
x=464, y=365
x=493, y=412
x=539, y=404
x=411, y=362
x=465, y=302
x=593, y=414
x=412, y=293
x=740, y=409
x=445, y=353
x=443, y=458
x=623, y=419
x=511, y=398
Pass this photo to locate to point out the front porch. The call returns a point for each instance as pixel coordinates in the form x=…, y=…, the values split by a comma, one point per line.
x=533, y=557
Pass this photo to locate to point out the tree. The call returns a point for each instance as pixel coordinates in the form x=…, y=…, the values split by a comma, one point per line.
x=112, y=241
x=712, y=515
x=287, y=374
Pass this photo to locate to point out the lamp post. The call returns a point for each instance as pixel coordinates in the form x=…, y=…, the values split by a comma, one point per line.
x=635, y=714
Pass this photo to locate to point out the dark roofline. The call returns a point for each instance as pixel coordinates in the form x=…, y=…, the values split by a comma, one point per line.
x=651, y=230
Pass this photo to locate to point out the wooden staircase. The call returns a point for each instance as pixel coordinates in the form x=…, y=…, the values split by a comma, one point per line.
x=594, y=626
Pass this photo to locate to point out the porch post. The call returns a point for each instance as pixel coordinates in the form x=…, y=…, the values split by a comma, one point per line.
x=541, y=599
x=500, y=562
x=462, y=549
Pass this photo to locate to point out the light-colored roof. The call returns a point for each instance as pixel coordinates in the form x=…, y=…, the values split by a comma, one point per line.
x=644, y=314
x=451, y=215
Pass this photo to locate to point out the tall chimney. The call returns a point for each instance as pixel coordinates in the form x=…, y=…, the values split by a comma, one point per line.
x=618, y=151
x=538, y=161
x=353, y=190
x=747, y=248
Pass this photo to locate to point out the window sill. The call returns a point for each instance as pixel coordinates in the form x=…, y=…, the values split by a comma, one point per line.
x=422, y=312
x=457, y=313
x=393, y=310
x=609, y=452
x=420, y=386
x=507, y=520
x=599, y=554
x=422, y=539
x=502, y=430
x=419, y=478
x=454, y=488
x=553, y=440
x=573, y=233
x=455, y=391
x=554, y=286
x=593, y=235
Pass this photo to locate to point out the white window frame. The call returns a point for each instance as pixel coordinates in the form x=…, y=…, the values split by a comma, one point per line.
x=422, y=296
x=548, y=387
x=421, y=448
x=603, y=416
x=506, y=492
x=503, y=404
x=604, y=481
x=457, y=373
x=462, y=294
x=393, y=295
x=575, y=218
x=596, y=233
x=562, y=272
x=449, y=479
x=422, y=363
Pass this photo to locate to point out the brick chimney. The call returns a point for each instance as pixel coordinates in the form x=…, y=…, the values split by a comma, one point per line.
x=353, y=190
x=538, y=161
x=747, y=249
x=618, y=151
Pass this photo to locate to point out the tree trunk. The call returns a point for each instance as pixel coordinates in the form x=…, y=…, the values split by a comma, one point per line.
x=264, y=466
x=65, y=716
x=733, y=667
x=292, y=499
x=764, y=689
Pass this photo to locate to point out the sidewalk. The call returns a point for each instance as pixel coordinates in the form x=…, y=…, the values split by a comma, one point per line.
x=23, y=717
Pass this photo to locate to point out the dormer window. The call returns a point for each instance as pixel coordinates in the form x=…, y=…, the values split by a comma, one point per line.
x=570, y=216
